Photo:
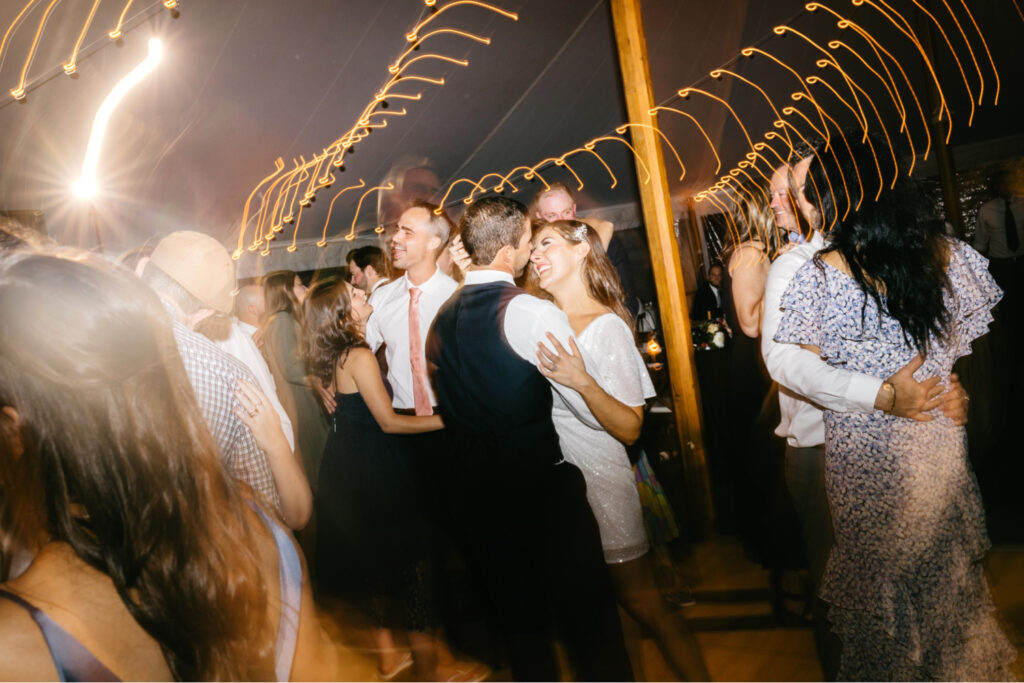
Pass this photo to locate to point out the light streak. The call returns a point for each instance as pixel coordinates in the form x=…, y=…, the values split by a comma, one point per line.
x=116, y=33
x=265, y=209
x=86, y=185
x=960, y=65
x=814, y=80
x=430, y=55
x=970, y=50
x=736, y=171
x=295, y=233
x=560, y=161
x=590, y=145
x=615, y=181
x=842, y=176
x=984, y=43
x=413, y=35
x=476, y=186
x=278, y=167
x=621, y=130
x=72, y=64
x=750, y=51
x=877, y=47
x=327, y=221
x=529, y=176
x=19, y=92
x=685, y=94
x=396, y=67
x=14, y=24
x=717, y=74
x=943, y=106
x=352, y=232
x=782, y=30
x=714, y=151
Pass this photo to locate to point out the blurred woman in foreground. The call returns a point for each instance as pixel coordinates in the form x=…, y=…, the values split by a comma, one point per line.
x=149, y=562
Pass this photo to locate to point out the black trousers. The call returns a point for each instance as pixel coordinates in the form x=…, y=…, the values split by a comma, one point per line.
x=534, y=545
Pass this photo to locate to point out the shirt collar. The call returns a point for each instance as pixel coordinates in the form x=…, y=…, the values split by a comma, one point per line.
x=433, y=282
x=817, y=240
x=480, y=277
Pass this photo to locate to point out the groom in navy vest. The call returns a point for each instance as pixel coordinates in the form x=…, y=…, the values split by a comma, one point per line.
x=530, y=533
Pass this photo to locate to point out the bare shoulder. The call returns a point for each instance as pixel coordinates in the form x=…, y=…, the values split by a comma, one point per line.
x=24, y=655
x=836, y=260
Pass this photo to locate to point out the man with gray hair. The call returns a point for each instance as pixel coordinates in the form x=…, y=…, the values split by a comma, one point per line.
x=194, y=276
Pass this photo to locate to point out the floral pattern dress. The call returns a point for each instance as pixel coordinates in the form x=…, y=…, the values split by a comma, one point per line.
x=908, y=597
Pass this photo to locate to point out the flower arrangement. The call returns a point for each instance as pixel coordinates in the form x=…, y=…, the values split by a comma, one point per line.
x=709, y=334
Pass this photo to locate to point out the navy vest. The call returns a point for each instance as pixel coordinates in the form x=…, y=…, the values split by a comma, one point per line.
x=496, y=404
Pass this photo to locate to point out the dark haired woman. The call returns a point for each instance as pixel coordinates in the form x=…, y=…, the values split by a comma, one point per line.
x=570, y=264
x=371, y=545
x=283, y=293
x=904, y=579
x=149, y=563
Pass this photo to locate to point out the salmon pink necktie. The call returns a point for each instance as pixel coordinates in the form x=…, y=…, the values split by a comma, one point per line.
x=419, y=374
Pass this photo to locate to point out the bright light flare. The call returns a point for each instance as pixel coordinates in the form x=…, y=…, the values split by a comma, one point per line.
x=86, y=185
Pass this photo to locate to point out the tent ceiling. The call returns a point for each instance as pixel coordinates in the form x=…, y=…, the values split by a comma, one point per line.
x=243, y=83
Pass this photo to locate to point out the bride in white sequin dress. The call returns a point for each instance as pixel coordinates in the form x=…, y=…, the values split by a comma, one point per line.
x=570, y=264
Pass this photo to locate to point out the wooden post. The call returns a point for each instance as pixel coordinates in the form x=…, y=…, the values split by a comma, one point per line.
x=668, y=274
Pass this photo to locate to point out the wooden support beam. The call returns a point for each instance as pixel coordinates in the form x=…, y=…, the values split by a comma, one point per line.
x=668, y=274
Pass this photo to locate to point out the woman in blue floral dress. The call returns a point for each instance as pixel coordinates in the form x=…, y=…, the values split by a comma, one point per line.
x=905, y=582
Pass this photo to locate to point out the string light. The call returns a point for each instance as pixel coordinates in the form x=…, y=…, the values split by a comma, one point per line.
x=115, y=33
x=685, y=94
x=717, y=74
x=72, y=64
x=352, y=232
x=751, y=51
x=278, y=167
x=714, y=151
x=782, y=30
x=984, y=43
x=19, y=92
x=412, y=35
x=396, y=67
x=943, y=106
x=323, y=237
x=86, y=185
x=621, y=130
x=286, y=190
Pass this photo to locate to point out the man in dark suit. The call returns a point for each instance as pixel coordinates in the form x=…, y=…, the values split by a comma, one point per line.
x=707, y=302
x=531, y=535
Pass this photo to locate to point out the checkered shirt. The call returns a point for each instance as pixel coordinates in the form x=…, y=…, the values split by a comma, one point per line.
x=214, y=375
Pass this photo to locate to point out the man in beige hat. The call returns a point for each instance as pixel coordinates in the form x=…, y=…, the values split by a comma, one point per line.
x=194, y=276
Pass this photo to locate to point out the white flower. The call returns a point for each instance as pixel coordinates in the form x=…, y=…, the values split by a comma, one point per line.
x=719, y=340
x=712, y=327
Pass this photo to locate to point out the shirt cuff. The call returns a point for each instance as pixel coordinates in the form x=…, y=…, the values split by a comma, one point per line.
x=863, y=391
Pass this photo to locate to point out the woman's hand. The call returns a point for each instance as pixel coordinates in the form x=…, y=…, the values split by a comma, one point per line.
x=564, y=367
x=325, y=393
x=255, y=410
x=459, y=255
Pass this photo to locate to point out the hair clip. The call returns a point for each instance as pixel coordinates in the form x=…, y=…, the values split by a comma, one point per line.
x=580, y=233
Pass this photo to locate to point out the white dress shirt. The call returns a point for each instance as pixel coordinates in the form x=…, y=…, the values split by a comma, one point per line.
x=807, y=383
x=240, y=345
x=990, y=229
x=372, y=297
x=389, y=323
x=527, y=321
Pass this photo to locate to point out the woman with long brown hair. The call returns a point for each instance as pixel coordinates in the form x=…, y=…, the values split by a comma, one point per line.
x=149, y=562
x=372, y=547
x=283, y=293
x=570, y=264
